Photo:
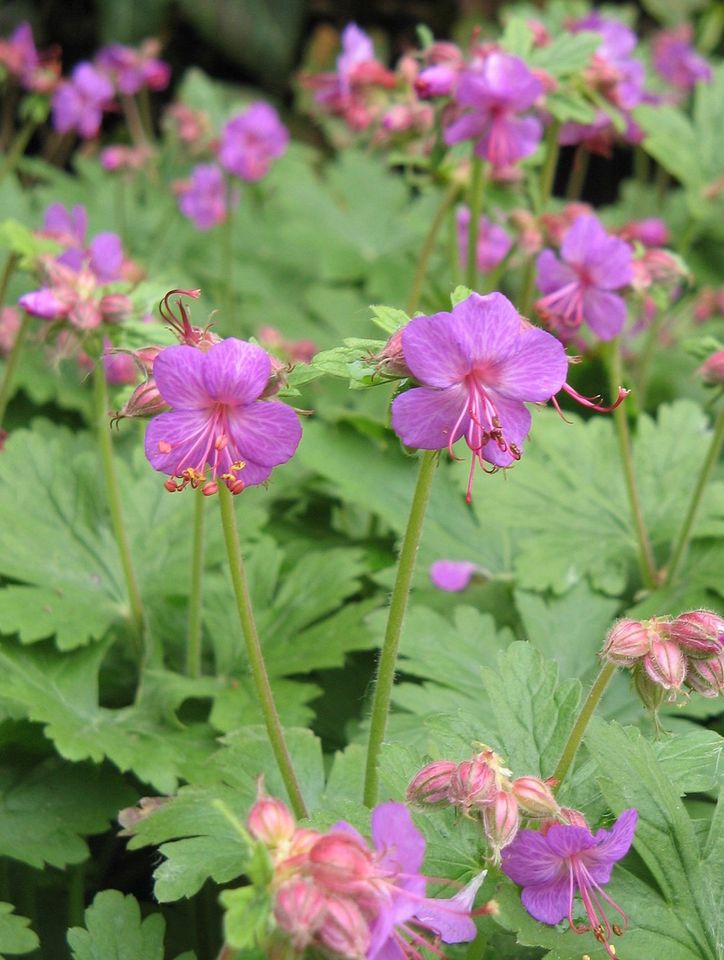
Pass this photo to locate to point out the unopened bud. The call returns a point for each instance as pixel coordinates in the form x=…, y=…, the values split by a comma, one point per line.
x=706, y=676
x=712, y=369
x=666, y=663
x=145, y=401
x=699, y=632
x=535, y=798
x=344, y=929
x=339, y=862
x=573, y=817
x=115, y=307
x=627, y=641
x=500, y=821
x=652, y=694
x=299, y=909
x=391, y=360
x=472, y=784
x=432, y=783
x=271, y=822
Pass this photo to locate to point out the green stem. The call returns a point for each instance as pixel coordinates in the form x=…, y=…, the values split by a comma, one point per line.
x=681, y=543
x=14, y=355
x=526, y=293
x=254, y=653
x=17, y=148
x=579, y=170
x=428, y=247
x=647, y=564
x=398, y=606
x=548, y=171
x=133, y=121
x=227, y=255
x=646, y=356
x=113, y=494
x=76, y=894
x=477, y=181
x=641, y=165
x=453, y=248
x=193, y=638
x=579, y=727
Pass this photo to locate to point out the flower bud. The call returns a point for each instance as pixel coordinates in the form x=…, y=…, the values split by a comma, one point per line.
x=391, y=360
x=651, y=694
x=712, y=369
x=627, y=641
x=344, y=929
x=145, y=401
x=535, y=798
x=432, y=783
x=9, y=326
x=573, y=817
x=706, y=676
x=500, y=821
x=699, y=632
x=472, y=784
x=115, y=307
x=666, y=663
x=271, y=822
x=299, y=909
x=340, y=863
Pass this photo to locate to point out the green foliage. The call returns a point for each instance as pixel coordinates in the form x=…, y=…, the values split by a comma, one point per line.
x=15, y=935
x=114, y=929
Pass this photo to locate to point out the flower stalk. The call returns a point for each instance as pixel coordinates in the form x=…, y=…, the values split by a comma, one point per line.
x=579, y=727
x=428, y=247
x=398, y=606
x=477, y=184
x=194, y=629
x=255, y=655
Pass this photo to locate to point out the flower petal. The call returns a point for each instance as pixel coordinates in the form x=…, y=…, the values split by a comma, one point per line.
x=510, y=138
x=178, y=372
x=394, y=833
x=450, y=918
x=549, y=903
x=582, y=239
x=106, y=257
x=566, y=839
x=236, y=372
x=609, y=263
x=552, y=274
x=537, y=371
x=452, y=575
x=185, y=431
x=529, y=861
x=425, y=418
x=605, y=313
x=615, y=843
x=515, y=423
x=266, y=432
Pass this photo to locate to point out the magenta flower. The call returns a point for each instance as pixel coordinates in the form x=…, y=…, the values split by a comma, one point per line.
x=492, y=97
x=217, y=420
x=567, y=859
x=203, y=198
x=251, y=140
x=578, y=286
x=104, y=255
x=132, y=70
x=676, y=60
x=78, y=103
x=493, y=242
x=452, y=576
x=478, y=366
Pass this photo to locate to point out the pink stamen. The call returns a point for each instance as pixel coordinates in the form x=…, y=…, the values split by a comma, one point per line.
x=591, y=402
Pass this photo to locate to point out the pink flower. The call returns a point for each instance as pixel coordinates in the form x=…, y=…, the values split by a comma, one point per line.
x=493, y=242
x=567, y=859
x=492, y=97
x=452, y=575
x=578, y=286
x=478, y=366
x=676, y=60
x=78, y=103
x=131, y=70
x=251, y=140
x=203, y=198
x=217, y=421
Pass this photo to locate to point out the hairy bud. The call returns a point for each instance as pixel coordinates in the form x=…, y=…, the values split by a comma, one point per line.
x=432, y=784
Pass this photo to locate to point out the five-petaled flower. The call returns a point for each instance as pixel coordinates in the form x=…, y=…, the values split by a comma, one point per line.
x=218, y=422
x=566, y=859
x=478, y=366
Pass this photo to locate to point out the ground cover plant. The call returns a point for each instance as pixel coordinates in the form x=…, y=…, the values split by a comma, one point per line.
x=361, y=507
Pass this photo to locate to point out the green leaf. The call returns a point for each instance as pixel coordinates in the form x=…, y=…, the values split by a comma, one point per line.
x=567, y=53
x=566, y=105
x=388, y=319
x=248, y=916
x=517, y=37
x=15, y=935
x=459, y=294
x=692, y=761
x=114, y=931
x=25, y=243
x=631, y=777
x=671, y=139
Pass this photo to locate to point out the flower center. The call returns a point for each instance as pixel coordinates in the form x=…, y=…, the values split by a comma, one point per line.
x=211, y=444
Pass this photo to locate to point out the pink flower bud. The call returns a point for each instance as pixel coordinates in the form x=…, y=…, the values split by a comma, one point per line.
x=391, y=360
x=706, y=676
x=712, y=369
x=271, y=822
x=340, y=863
x=9, y=326
x=299, y=909
x=573, y=817
x=500, y=821
x=666, y=663
x=472, y=784
x=627, y=641
x=700, y=632
x=432, y=783
x=652, y=694
x=115, y=307
x=535, y=798
x=145, y=401
x=344, y=929
x=120, y=367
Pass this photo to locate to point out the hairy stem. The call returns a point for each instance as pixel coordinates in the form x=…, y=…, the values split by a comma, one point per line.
x=17, y=148
x=548, y=170
x=647, y=564
x=579, y=727
x=113, y=495
x=477, y=183
x=681, y=544
x=255, y=655
x=398, y=606
x=193, y=636
x=579, y=171
x=428, y=247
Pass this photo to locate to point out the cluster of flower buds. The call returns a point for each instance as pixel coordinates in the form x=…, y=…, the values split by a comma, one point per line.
x=333, y=892
x=482, y=788
x=669, y=654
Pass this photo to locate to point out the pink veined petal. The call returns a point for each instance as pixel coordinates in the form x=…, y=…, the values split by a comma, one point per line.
x=452, y=575
x=552, y=274
x=425, y=418
x=510, y=138
x=605, y=313
x=609, y=264
x=265, y=432
x=529, y=861
x=548, y=903
x=178, y=372
x=536, y=372
x=106, y=257
x=615, y=843
x=515, y=422
x=43, y=303
x=581, y=239
x=389, y=950
x=510, y=81
x=236, y=372
x=394, y=833
x=565, y=840
x=470, y=126
x=186, y=431
x=450, y=918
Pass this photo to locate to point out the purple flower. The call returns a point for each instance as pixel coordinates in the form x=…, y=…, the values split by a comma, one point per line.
x=577, y=287
x=452, y=575
x=567, y=859
x=104, y=256
x=217, y=420
x=492, y=96
x=618, y=40
x=357, y=49
x=203, y=198
x=477, y=367
x=493, y=242
x=19, y=54
x=676, y=60
x=78, y=103
x=251, y=140
x=131, y=70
